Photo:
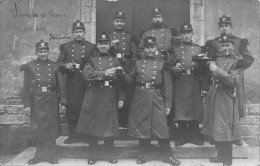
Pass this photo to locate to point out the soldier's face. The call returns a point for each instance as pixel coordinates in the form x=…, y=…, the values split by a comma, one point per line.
x=225, y=29
x=187, y=36
x=227, y=48
x=43, y=54
x=150, y=50
x=119, y=23
x=157, y=19
x=103, y=46
x=78, y=34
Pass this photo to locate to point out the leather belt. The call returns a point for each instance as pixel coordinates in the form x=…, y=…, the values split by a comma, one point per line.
x=149, y=85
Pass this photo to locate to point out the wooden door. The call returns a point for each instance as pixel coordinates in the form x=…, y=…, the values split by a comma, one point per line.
x=138, y=13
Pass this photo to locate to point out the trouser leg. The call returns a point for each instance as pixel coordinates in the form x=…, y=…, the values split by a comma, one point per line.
x=72, y=125
x=165, y=148
x=123, y=115
x=194, y=133
x=182, y=131
x=145, y=146
x=227, y=152
x=93, y=147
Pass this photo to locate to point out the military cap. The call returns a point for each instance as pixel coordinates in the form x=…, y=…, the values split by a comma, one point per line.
x=226, y=39
x=102, y=37
x=149, y=40
x=78, y=25
x=41, y=45
x=156, y=11
x=119, y=15
x=224, y=20
x=186, y=27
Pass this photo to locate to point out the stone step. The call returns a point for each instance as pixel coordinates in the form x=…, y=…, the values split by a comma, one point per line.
x=126, y=149
x=22, y=159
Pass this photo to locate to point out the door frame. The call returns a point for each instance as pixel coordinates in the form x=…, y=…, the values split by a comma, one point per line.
x=197, y=19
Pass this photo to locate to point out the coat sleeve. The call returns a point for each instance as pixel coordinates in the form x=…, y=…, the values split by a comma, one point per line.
x=121, y=90
x=167, y=83
x=133, y=48
x=91, y=74
x=62, y=90
x=27, y=85
x=248, y=59
x=141, y=46
x=230, y=78
x=62, y=59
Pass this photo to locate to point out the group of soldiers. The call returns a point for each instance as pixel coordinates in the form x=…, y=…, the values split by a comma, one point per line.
x=145, y=88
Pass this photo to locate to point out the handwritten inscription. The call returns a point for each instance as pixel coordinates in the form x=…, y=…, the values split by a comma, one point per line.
x=58, y=37
x=31, y=29
x=51, y=13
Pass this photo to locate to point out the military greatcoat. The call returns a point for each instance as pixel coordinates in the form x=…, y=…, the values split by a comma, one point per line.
x=187, y=85
x=99, y=116
x=241, y=52
x=153, y=93
x=43, y=90
x=75, y=52
x=221, y=116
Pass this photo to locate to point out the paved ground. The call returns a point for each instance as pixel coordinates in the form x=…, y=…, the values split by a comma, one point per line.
x=21, y=160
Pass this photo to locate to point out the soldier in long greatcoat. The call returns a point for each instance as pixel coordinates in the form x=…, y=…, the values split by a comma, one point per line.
x=43, y=91
x=152, y=102
x=188, y=83
x=99, y=117
x=72, y=58
x=241, y=51
x=125, y=49
x=221, y=116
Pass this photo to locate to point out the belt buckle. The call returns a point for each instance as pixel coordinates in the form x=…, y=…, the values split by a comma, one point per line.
x=118, y=55
x=106, y=83
x=148, y=85
x=77, y=66
x=44, y=88
x=188, y=72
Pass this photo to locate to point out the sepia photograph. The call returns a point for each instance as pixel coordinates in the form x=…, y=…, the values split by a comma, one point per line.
x=130, y=82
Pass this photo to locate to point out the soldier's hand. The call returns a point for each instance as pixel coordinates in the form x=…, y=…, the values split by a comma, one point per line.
x=27, y=111
x=212, y=66
x=167, y=111
x=69, y=66
x=110, y=72
x=120, y=103
x=63, y=109
x=114, y=42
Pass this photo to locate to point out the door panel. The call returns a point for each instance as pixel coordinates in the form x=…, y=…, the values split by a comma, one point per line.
x=138, y=13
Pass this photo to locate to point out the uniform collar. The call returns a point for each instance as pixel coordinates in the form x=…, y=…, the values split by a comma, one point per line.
x=79, y=41
x=103, y=54
x=119, y=30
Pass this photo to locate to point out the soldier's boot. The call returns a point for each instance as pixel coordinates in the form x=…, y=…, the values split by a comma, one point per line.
x=181, y=133
x=166, y=153
x=227, y=153
x=109, y=151
x=194, y=133
x=144, y=151
x=219, y=158
x=72, y=125
x=93, y=150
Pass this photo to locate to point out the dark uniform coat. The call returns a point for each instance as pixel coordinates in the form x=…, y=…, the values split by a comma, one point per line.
x=163, y=39
x=78, y=52
x=43, y=91
x=99, y=115
x=221, y=116
x=147, y=116
x=187, y=86
x=241, y=52
x=126, y=47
